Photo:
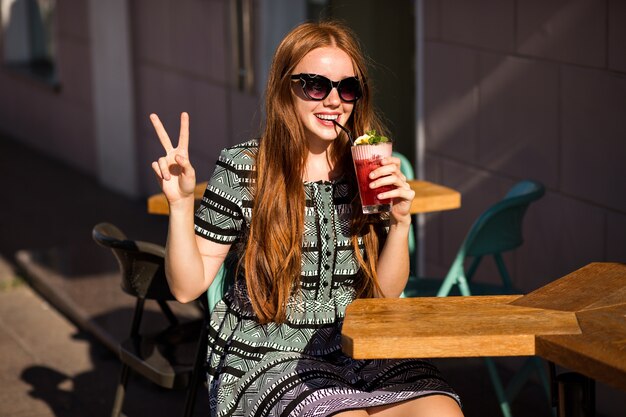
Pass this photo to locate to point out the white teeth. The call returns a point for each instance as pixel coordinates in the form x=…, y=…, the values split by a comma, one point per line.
x=327, y=116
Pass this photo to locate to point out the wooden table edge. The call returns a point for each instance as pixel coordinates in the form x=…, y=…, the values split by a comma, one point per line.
x=446, y=199
x=366, y=340
x=550, y=348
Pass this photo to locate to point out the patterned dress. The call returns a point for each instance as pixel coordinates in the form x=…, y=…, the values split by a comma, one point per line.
x=295, y=368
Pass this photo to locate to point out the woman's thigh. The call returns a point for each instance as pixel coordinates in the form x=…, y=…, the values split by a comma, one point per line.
x=430, y=406
x=352, y=413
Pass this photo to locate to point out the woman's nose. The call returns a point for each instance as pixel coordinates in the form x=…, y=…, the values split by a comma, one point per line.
x=333, y=99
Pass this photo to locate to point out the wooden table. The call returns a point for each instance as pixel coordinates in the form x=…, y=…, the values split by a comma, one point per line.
x=429, y=197
x=578, y=322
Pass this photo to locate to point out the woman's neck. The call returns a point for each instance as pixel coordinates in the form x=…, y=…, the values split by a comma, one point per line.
x=319, y=165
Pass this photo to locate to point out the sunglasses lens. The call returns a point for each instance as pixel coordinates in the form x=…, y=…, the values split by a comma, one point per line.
x=317, y=88
x=349, y=89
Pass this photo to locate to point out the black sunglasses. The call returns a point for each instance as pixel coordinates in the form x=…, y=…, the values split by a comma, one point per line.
x=317, y=87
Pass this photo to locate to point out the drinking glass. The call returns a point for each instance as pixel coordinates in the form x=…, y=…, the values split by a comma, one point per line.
x=366, y=159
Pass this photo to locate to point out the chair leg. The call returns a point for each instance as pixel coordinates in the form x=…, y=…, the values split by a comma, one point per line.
x=522, y=375
x=543, y=375
x=505, y=396
x=120, y=393
x=505, y=408
x=517, y=382
x=504, y=273
x=167, y=311
x=137, y=315
x=463, y=285
x=452, y=278
x=473, y=266
x=196, y=375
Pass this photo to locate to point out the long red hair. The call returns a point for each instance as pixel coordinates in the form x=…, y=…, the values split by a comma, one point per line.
x=272, y=260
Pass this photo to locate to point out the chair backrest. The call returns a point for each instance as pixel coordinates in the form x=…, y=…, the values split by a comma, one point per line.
x=141, y=263
x=405, y=167
x=407, y=170
x=499, y=228
x=216, y=290
x=223, y=280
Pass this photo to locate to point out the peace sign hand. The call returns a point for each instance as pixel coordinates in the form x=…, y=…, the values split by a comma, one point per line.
x=176, y=176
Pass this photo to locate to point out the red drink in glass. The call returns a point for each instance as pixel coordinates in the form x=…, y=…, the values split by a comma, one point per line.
x=366, y=159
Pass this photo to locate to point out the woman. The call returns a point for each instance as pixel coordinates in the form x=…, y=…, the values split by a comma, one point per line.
x=286, y=205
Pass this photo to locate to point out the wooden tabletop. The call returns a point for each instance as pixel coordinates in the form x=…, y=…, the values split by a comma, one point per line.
x=429, y=197
x=578, y=322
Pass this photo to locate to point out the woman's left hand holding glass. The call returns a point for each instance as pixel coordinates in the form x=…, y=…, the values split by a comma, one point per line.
x=402, y=195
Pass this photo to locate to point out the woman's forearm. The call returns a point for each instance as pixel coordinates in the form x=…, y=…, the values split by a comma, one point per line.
x=183, y=262
x=393, y=262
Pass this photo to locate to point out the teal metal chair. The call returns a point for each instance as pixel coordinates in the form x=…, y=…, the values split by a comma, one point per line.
x=218, y=287
x=214, y=294
x=496, y=231
x=407, y=170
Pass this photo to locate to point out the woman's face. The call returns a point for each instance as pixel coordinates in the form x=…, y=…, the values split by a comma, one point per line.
x=317, y=116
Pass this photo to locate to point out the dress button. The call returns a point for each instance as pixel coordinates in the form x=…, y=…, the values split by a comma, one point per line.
x=327, y=237
x=325, y=284
x=327, y=267
x=325, y=220
x=328, y=253
x=328, y=189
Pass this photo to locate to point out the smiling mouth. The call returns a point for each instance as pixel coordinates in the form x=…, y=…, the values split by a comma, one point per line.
x=327, y=117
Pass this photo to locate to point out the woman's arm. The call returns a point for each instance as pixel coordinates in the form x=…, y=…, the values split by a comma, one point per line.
x=191, y=262
x=393, y=260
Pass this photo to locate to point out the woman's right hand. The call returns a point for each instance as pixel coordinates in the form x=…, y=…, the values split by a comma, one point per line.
x=176, y=176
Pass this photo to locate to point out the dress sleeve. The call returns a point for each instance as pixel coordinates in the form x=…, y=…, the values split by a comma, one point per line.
x=219, y=217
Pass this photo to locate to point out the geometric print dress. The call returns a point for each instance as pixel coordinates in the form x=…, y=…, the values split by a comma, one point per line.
x=295, y=368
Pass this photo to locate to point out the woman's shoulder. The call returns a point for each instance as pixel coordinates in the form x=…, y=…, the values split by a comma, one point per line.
x=241, y=154
x=252, y=144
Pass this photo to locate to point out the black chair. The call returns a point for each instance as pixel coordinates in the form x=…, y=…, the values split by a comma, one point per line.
x=172, y=357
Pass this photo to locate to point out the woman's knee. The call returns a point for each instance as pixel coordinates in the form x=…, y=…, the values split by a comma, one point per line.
x=352, y=413
x=430, y=406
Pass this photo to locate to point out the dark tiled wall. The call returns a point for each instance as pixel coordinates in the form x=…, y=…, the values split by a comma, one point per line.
x=183, y=62
x=529, y=89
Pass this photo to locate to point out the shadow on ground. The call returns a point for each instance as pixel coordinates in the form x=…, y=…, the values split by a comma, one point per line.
x=91, y=393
